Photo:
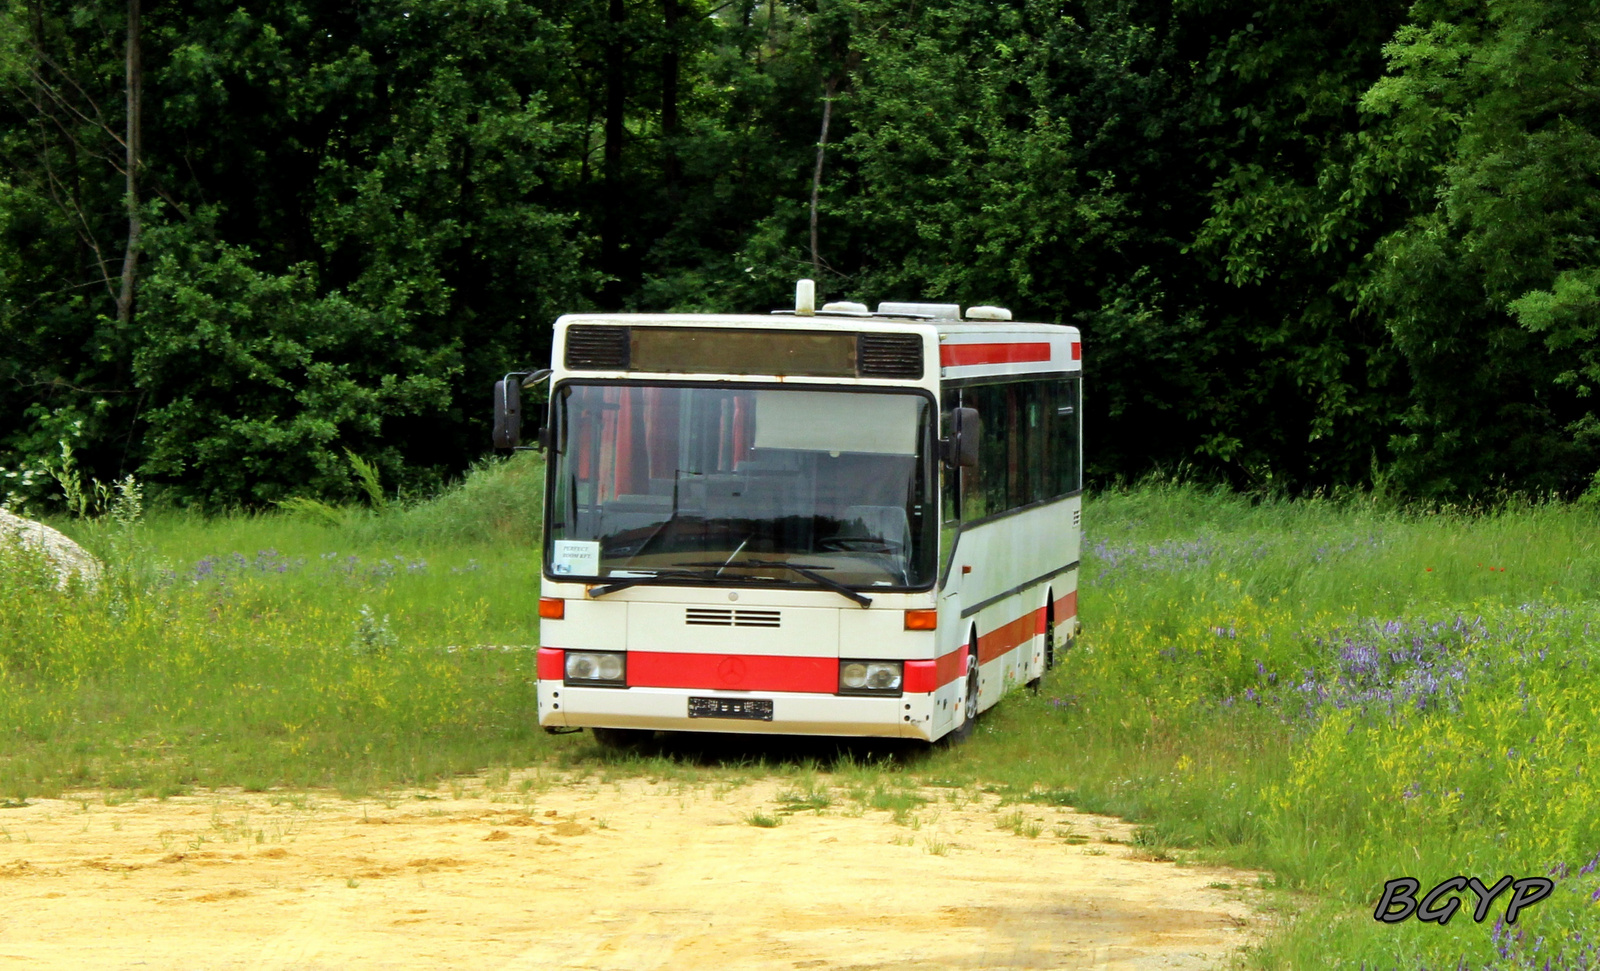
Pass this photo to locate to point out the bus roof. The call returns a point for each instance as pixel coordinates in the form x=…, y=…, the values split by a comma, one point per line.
x=965, y=350
x=821, y=321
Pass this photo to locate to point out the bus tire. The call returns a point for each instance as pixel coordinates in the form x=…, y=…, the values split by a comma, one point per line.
x=1049, y=647
x=618, y=739
x=969, y=704
x=1050, y=636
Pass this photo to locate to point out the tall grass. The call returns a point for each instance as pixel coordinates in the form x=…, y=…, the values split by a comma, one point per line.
x=1341, y=694
x=264, y=650
x=1337, y=693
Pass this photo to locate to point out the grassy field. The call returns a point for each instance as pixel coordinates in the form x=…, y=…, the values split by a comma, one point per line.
x=1341, y=694
x=1338, y=693
x=271, y=650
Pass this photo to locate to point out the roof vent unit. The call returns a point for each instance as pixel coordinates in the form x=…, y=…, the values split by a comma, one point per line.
x=988, y=313
x=937, y=311
x=845, y=307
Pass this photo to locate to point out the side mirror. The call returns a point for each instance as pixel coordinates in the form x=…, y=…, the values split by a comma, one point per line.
x=508, y=412
x=961, y=448
x=969, y=430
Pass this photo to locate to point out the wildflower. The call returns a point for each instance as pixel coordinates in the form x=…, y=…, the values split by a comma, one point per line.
x=1589, y=867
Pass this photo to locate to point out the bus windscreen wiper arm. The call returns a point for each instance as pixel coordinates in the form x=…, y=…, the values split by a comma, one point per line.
x=627, y=582
x=807, y=572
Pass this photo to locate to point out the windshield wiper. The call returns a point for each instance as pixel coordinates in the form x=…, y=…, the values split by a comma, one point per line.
x=808, y=571
x=627, y=582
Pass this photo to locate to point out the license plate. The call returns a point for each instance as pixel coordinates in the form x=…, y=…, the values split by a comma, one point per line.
x=754, y=709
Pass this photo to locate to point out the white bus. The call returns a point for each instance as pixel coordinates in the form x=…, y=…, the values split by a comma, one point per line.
x=822, y=522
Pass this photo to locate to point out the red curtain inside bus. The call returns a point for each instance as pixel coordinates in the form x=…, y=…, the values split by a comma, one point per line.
x=638, y=439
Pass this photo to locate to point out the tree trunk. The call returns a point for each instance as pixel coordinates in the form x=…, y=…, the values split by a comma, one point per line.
x=130, y=255
x=669, y=94
x=816, y=177
x=611, y=165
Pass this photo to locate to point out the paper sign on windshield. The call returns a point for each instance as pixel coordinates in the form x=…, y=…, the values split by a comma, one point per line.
x=575, y=557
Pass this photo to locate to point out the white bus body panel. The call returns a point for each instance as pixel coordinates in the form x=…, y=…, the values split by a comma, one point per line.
x=1005, y=577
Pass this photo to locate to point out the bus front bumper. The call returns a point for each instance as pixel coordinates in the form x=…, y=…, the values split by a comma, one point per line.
x=793, y=712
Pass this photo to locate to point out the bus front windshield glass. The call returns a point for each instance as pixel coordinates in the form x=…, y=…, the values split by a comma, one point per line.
x=741, y=485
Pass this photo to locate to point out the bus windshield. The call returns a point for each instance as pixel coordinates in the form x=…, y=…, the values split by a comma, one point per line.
x=740, y=484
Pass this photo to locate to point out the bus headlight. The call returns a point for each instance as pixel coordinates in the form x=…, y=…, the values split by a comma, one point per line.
x=604, y=669
x=870, y=677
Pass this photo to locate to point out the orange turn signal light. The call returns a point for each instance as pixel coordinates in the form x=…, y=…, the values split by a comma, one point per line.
x=552, y=608
x=922, y=620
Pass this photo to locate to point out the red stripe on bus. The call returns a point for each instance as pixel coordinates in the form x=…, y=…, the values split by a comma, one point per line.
x=957, y=355
x=1008, y=637
x=733, y=672
x=924, y=676
x=552, y=664
x=1067, y=607
x=950, y=666
x=921, y=677
x=1005, y=638
x=1077, y=350
x=754, y=672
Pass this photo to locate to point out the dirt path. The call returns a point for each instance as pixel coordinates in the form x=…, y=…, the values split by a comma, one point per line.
x=625, y=875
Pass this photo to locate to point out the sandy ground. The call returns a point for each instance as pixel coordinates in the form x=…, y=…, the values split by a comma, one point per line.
x=556, y=873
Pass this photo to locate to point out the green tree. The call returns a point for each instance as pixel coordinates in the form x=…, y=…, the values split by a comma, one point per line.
x=1489, y=286
x=1317, y=386
x=323, y=172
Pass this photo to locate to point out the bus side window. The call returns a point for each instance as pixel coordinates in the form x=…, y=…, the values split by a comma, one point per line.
x=1066, y=468
x=949, y=479
x=1030, y=449
x=1037, y=447
x=983, y=488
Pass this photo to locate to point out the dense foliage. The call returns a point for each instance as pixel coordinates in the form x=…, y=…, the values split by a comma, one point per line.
x=1310, y=243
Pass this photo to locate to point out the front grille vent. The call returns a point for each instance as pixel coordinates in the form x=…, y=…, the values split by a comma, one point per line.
x=889, y=355
x=596, y=347
x=722, y=617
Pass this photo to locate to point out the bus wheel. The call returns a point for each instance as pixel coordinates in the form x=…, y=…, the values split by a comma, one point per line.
x=1049, y=651
x=1050, y=640
x=617, y=739
x=969, y=703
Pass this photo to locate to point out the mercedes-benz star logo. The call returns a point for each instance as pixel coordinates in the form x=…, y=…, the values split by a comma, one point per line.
x=731, y=670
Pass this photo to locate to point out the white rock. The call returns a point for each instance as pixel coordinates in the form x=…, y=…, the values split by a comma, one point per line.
x=64, y=556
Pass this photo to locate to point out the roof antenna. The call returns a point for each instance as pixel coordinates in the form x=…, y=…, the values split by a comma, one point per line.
x=816, y=177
